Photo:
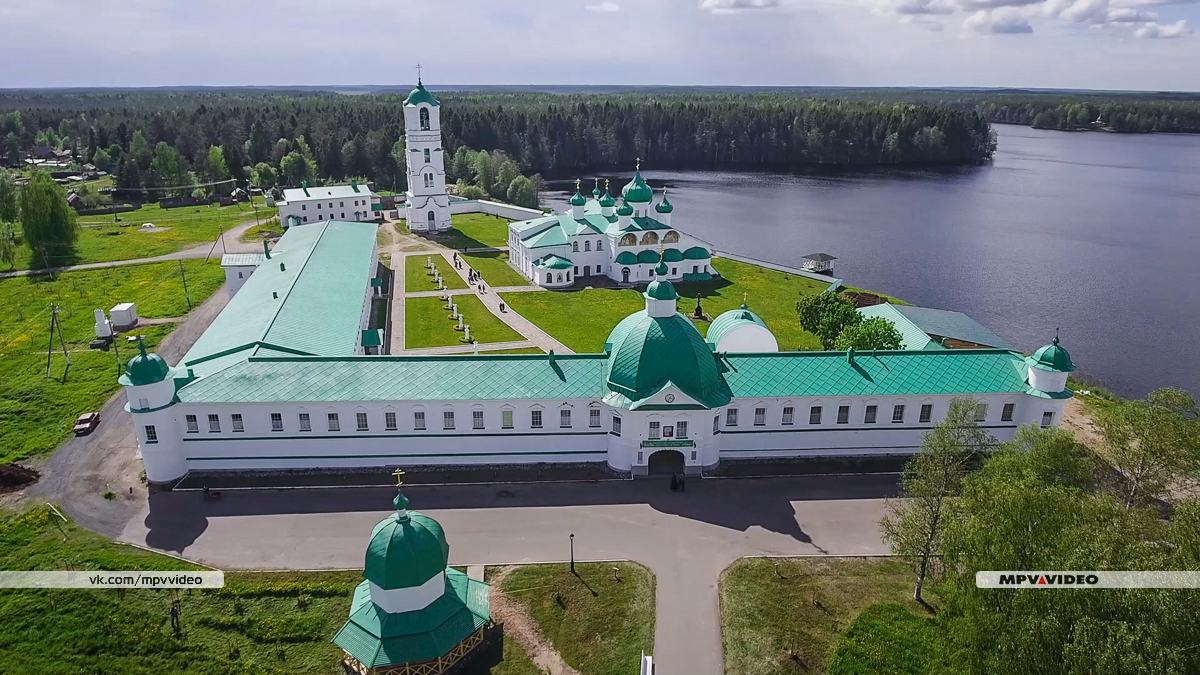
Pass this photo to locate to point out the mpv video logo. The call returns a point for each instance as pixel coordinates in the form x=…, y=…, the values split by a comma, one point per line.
x=1090, y=579
x=1048, y=579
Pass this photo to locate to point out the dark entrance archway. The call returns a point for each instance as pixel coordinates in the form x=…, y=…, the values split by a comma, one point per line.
x=665, y=461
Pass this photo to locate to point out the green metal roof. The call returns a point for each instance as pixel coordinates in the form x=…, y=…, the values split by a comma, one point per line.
x=553, y=262
x=624, y=209
x=727, y=321
x=636, y=190
x=911, y=335
x=372, y=337
x=884, y=373
x=578, y=199
x=697, y=253
x=406, y=550
x=661, y=290
x=379, y=639
x=1052, y=357
x=606, y=199
x=647, y=353
x=672, y=255
x=647, y=256
x=402, y=378
x=420, y=95
x=313, y=304
x=938, y=323
x=664, y=206
x=144, y=368
x=241, y=259
x=626, y=258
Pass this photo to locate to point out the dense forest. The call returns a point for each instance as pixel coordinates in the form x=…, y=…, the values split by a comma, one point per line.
x=152, y=137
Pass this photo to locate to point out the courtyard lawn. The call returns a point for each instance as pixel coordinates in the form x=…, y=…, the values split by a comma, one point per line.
x=263, y=231
x=417, y=276
x=473, y=230
x=770, y=294
x=428, y=324
x=599, y=621
x=261, y=622
x=37, y=413
x=523, y=350
x=101, y=239
x=790, y=615
x=580, y=320
x=494, y=268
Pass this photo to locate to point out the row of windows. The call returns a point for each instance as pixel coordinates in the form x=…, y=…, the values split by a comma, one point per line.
x=428, y=180
x=871, y=414
x=587, y=245
x=342, y=215
x=304, y=207
x=648, y=239
x=657, y=430
x=361, y=422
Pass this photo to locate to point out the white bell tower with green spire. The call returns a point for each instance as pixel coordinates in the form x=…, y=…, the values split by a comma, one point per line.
x=427, y=207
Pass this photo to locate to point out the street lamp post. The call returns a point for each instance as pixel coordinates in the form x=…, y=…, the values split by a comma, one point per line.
x=572, y=553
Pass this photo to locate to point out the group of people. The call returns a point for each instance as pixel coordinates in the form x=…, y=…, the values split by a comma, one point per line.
x=677, y=483
x=472, y=276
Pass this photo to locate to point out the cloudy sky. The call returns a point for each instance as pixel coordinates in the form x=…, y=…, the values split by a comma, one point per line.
x=1096, y=44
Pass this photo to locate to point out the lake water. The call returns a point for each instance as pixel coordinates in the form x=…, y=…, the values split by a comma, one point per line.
x=1096, y=234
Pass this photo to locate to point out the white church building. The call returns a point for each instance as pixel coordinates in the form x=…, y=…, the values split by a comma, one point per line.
x=282, y=380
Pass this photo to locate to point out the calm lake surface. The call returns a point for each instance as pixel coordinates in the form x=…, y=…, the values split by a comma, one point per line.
x=1098, y=234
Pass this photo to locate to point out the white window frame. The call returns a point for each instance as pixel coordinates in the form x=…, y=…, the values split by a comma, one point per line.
x=535, y=419
x=151, y=434
x=418, y=420
x=789, y=415
x=814, y=414
x=681, y=429
x=389, y=420
x=214, y=424
x=871, y=414
x=981, y=410
x=616, y=425
x=193, y=425
x=361, y=423
x=476, y=419
x=594, y=418
x=926, y=413
x=898, y=413
x=731, y=417
x=1047, y=419
x=843, y=415
x=447, y=420
x=305, y=421
x=276, y=421
x=655, y=431
x=760, y=416
x=564, y=418
x=506, y=419
x=1006, y=413
x=333, y=422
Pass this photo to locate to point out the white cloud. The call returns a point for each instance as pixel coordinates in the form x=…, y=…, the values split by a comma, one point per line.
x=1002, y=20
x=604, y=7
x=1157, y=30
x=734, y=6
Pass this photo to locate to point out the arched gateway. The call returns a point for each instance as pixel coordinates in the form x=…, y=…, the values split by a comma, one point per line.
x=666, y=462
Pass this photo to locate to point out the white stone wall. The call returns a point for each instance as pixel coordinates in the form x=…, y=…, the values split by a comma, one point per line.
x=236, y=276
x=343, y=208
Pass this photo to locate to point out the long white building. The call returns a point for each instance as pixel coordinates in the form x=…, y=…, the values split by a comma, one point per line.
x=281, y=380
x=329, y=202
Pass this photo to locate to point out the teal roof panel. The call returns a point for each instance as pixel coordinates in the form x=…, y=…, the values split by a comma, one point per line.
x=911, y=335
x=941, y=323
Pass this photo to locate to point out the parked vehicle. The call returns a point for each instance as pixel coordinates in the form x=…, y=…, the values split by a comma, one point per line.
x=86, y=423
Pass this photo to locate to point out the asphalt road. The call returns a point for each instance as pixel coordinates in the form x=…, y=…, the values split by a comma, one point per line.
x=687, y=539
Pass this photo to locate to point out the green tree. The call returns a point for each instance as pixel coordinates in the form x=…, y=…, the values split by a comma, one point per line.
x=915, y=525
x=8, y=198
x=265, y=176
x=520, y=192
x=460, y=166
x=217, y=168
x=139, y=149
x=48, y=223
x=826, y=315
x=1154, y=444
x=102, y=160
x=259, y=145
x=506, y=173
x=8, y=244
x=485, y=171
x=296, y=168
x=874, y=333
x=167, y=169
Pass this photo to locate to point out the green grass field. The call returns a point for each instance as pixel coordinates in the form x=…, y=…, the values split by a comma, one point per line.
x=600, y=622
x=260, y=232
x=523, y=350
x=101, y=239
x=583, y=319
x=417, y=276
x=494, y=268
x=787, y=615
x=271, y=623
x=428, y=324
x=36, y=413
x=473, y=230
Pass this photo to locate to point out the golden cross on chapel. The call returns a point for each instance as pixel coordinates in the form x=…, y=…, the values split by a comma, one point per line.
x=638, y=162
x=399, y=474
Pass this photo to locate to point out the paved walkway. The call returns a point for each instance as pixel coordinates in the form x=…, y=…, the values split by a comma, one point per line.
x=231, y=240
x=467, y=349
x=686, y=539
x=524, y=326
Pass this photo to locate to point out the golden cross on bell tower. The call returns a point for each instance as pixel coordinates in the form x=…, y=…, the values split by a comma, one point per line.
x=399, y=474
x=418, y=73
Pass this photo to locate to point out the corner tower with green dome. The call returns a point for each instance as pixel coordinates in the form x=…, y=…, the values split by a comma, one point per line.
x=427, y=205
x=412, y=613
x=150, y=397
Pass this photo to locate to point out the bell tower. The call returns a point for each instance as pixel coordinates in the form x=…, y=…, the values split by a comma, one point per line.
x=427, y=207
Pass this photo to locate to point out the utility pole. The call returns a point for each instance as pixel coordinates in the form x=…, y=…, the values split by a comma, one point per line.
x=185, y=290
x=55, y=325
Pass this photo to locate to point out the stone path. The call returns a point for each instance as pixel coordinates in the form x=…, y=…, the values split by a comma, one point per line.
x=468, y=291
x=467, y=349
x=515, y=321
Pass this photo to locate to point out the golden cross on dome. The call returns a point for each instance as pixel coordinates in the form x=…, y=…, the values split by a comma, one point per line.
x=606, y=185
x=399, y=474
x=577, y=182
x=744, y=295
x=639, y=163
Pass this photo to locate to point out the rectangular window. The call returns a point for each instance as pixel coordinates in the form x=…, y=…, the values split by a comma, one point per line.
x=276, y=421
x=980, y=412
x=898, y=413
x=716, y=424
x=731, y=417
x=789, y=413
x=843, y=414
x=305, y=422
x=151, y=434
x=334, y=424
x=616, y=425
x=564, y=418
x=193, y=426
x=236, y=418
x=389, y=420
x=594, y=417
x=448, y=419
x=506, y=419
x=926, y=412
x=477, y=419
x=419, y=420
x=869, y=415
x=814, y=415
x=214, y=424
x=639, y=458
x=361, y=420
x=1007, y=412
x=654, y=430
x=143, y=403
x=341, y=204
x=681, y=429
x=535, y=419
x=318, y=205
x=1047, y=419
x=303, y=207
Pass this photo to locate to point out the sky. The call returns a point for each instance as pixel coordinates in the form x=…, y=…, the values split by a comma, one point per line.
x=1084, y=44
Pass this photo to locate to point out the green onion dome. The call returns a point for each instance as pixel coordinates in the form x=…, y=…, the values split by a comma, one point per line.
x=624, y=209
x=606, y=199
x=645, y=353
x=406, y=549
x=1052, y=357
x=664, y=206
x=596, y=190
x=420, y=95
x=578, y=199
x=145, y=368
x=636, y=190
